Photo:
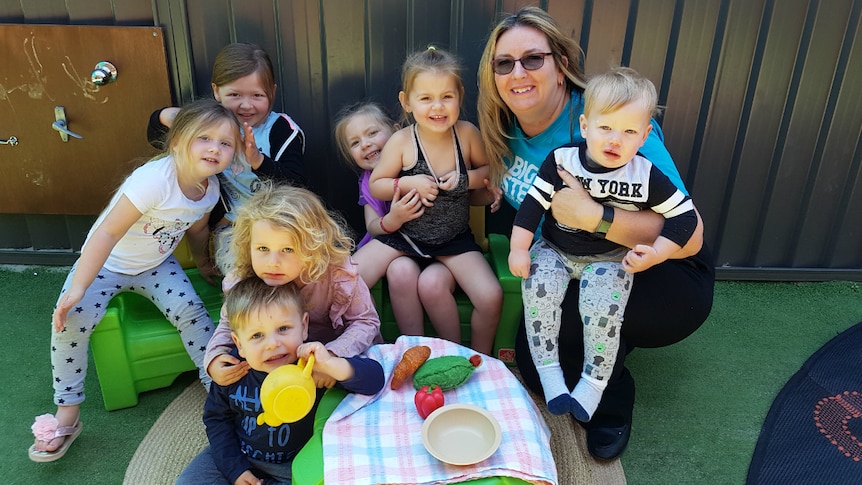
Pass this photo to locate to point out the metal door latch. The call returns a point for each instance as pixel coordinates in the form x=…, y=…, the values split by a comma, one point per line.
x=11, y=141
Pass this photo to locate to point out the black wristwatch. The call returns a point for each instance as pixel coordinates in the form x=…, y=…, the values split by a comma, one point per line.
x=605, y=224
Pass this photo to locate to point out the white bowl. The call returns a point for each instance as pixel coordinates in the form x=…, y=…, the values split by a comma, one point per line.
x=461, y=434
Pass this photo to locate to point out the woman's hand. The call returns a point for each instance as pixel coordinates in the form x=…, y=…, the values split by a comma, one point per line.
x=490, y=194
x=227, y=369
x=495, y=192
x=573, y=206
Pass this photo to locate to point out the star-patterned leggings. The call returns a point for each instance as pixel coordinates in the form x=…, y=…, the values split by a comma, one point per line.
x=166, y=286
x=605, y=289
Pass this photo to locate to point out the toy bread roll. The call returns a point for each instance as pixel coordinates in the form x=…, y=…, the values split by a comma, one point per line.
x=410, y=361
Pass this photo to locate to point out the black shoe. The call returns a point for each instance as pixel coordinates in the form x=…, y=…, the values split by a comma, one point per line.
x=609, y=431
x=608, y=443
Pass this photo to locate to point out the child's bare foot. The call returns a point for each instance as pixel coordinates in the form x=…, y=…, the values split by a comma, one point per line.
x=53, y=437
x=48, y=446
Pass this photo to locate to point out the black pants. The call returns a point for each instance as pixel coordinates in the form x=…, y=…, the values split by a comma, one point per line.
x=667, y=304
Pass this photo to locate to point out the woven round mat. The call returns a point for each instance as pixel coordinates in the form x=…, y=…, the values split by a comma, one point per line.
x=178, y=436
x=175, y=438
x=569, y=446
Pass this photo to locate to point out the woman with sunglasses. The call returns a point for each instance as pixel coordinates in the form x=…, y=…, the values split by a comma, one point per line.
x=531, y=87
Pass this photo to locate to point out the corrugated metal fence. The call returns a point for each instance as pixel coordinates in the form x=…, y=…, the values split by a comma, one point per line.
x=763, y=101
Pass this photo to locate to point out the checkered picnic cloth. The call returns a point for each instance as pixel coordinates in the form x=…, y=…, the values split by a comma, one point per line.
x=378, y=439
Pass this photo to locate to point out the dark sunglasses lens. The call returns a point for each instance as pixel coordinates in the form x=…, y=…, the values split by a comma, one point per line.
x=533, y=61
x=503, y=66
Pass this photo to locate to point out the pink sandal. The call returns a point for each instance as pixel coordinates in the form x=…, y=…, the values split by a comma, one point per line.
x=45, y=428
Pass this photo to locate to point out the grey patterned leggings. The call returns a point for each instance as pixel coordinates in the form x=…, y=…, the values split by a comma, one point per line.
x=165, y=285
x=605, y=289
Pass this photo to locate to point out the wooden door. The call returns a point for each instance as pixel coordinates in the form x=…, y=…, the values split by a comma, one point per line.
x=48, y=66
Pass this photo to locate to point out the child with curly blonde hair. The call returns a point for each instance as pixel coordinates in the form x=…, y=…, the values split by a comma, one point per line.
x=284, y=234
x=269, y=325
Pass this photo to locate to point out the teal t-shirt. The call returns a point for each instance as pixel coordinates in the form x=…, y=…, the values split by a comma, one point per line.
x=529, y=153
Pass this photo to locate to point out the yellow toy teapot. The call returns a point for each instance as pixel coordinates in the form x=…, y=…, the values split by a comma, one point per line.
x=287, y=393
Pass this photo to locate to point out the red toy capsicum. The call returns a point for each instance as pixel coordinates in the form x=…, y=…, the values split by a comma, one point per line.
x=428, y=400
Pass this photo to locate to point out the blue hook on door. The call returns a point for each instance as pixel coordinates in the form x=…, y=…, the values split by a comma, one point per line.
x=61, y=125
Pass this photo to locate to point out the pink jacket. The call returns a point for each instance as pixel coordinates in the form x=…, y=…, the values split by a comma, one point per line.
x=341, y=314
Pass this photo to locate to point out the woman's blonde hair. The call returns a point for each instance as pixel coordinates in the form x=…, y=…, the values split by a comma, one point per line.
x=190, y=121
x=239, y=60
x=319, y=237
x=346, y=114
x=495, y=118
x=248, y=297
x=433, y=60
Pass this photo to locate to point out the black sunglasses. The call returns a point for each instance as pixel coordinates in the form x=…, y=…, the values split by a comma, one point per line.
x=530, y=62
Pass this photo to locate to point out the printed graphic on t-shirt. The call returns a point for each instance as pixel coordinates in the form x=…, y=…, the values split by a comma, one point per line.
x=247, y=400
x=519, y=178
x=167, y=233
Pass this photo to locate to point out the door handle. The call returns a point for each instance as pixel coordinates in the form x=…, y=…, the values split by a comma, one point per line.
x=61, y=125
x=11, y=141
x=103, y=73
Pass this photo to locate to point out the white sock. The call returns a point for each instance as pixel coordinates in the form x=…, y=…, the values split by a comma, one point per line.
x=554, y=385
x=588, y=393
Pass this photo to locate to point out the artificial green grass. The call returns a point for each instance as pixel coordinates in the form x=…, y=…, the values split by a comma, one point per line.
x=700, y=403
x=102, y=452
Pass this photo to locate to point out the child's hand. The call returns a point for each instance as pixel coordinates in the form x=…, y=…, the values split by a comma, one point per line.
x=248, y=478
x=448, y=181
x=322, y=357
x=209, y=271
x=227, y=369
x=405, y=208
x=252, y=154
x=322, y=380
x=71, y=298
x=640, y=258
x=328, y=367
x=519, y=263
x=425, y=185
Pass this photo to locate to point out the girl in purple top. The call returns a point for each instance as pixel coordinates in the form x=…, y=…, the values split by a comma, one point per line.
x=284, y=234
x=361, y=130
